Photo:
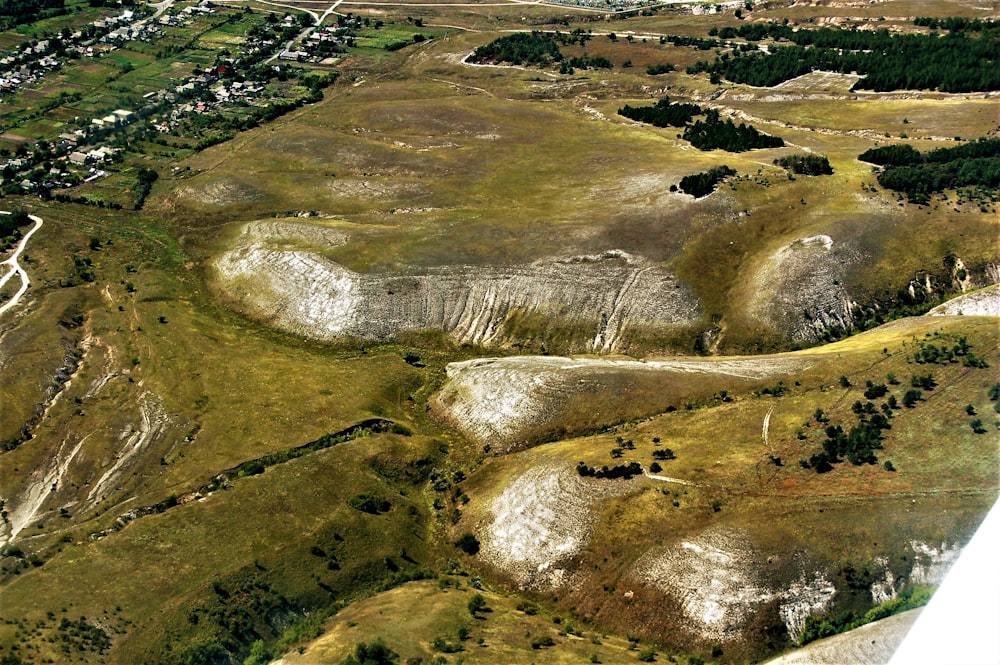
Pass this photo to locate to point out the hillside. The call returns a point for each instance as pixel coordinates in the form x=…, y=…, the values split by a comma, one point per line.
x=314, y=325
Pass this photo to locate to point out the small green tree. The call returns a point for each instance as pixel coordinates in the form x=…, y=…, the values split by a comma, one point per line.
x=477, y=604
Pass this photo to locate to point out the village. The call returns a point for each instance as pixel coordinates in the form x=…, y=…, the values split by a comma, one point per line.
x=239, y=90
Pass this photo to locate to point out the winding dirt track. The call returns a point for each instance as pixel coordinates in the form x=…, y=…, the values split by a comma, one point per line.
x=15, y=267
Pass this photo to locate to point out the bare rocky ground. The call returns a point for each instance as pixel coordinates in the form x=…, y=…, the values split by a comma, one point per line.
x=540, y=521
x=817, y=266
x=305, y=293
x=984, y=302
x=720, y=581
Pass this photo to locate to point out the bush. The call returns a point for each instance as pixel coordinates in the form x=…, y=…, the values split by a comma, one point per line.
x=468, y=543
x=373, y=653
x=911, y=398
x=369, y=503
x=539, y=642
x=477, y=604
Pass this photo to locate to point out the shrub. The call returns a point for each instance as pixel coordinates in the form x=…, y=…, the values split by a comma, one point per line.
x=369, y=503
x=539, y=642
x=373, y=653
x=911, y=398
x=477, y=604
x=468, y=543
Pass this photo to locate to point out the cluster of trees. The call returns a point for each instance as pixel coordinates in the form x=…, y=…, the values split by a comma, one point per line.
x=858, y=445
x=520, y=48
x=18, y=12
x=662, y=113
x=806, y=164
x=714, y=133
x=975, y=164
x=541, y=49
x=624, y=471
x=887, y=61
x=710, y=134
x=662, y=68
x=703, y=184
x=10, y=225
x=956, y=23
x=943, y=355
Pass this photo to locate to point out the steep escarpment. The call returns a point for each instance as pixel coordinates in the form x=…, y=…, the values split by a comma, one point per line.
x=799, y=288
x=602, y=296
x=512, y=402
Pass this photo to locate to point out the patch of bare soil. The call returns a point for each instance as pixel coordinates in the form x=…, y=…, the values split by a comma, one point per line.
x=308, y=294
x=541, y=521
x=719, y=581
x=222, y=192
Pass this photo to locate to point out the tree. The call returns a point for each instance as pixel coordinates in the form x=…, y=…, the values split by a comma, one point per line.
x=468, y=543
x=477, y=604
x=911, y=398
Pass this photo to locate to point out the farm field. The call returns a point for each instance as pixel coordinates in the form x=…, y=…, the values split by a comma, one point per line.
x=476, y=332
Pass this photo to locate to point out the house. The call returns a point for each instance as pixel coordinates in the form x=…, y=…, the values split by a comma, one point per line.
x=77, y=157
x=110, y=119
x=124, y=116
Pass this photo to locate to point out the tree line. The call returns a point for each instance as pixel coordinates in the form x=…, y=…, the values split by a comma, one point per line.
x=956, y=23
x=918, y=175
x=954, y=62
